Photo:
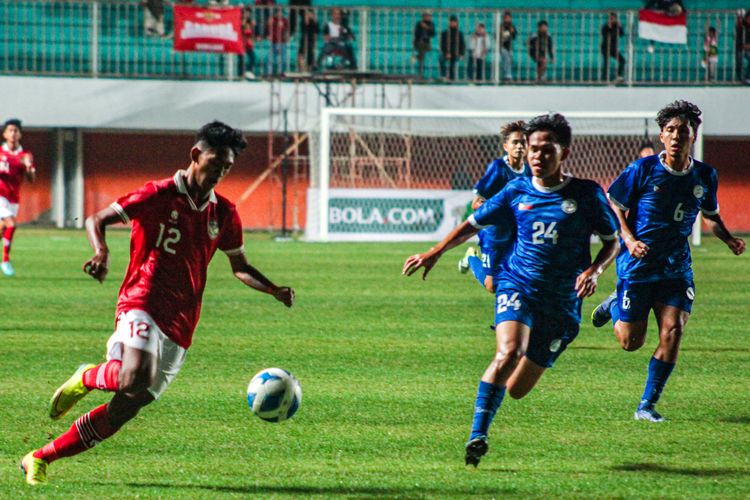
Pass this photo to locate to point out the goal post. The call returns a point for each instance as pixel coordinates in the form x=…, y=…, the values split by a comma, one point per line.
x=408, y=174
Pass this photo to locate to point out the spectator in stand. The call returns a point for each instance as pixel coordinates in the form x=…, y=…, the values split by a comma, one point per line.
x=540, y=50
x=647, y=149
x=669, y=7
x=297, y=7
x=507, y=35
x=611, y=33
x=338, y=38
x=742, y=46
x=278, y=34
x=308, y=36
x=710, y=53
x=479, y=46
x=452, y=49
x=424, y=32
x=153, y=17
x=262, y=13
x=248, y=35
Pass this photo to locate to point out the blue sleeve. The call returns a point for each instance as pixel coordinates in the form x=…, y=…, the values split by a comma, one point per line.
x=603, y=219
x=493, y=212
x=624, y=191
x=710, y=205
x=486, y=186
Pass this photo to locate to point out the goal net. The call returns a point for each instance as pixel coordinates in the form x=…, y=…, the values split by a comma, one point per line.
x=407, y=175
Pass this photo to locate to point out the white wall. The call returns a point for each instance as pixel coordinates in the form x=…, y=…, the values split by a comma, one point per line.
x=185, y=106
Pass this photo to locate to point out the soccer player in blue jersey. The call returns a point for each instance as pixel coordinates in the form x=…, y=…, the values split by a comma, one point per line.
x=657, y=199
x=496, y=241
x=545, y=277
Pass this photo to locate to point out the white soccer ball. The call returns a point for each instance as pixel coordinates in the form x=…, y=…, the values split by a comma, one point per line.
x=274, y=395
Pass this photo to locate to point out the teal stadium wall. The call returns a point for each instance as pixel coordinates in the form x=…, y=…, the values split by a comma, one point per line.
x=531, y=4
x=54, y=38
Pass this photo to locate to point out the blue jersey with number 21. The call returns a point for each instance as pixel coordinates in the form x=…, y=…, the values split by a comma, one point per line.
x=662, y=206
x=553, y=240
x=496, y=177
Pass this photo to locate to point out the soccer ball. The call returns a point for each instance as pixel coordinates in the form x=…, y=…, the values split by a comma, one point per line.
x=274, y=395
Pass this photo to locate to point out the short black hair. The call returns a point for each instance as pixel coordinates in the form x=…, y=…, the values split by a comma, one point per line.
x=12, y=121
x=217, y=134
x=542, y=23
x=680, y=109
x=510, y=127
x=646, y=144
x=554, y=123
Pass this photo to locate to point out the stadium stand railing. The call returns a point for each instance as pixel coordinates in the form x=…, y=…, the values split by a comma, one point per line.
x=107, y=38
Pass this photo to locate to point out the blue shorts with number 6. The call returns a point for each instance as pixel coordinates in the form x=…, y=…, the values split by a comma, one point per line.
x=550, y=335
x=635, y=300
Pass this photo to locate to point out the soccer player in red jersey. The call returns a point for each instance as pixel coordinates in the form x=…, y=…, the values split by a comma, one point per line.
x=177, y=225
x=15, y=164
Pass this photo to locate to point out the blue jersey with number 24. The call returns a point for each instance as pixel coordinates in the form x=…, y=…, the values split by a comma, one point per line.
x=553, y=241
x=662, y=206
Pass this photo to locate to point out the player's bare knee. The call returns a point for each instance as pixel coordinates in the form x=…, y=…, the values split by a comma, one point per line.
x=517, y=391
x=125, y=407
x=136, y=381
x=671, y=335
x=509, y=357
x=489, y=284
x=632, y=342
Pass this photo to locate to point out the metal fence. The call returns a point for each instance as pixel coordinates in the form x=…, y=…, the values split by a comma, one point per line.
x=120, y=38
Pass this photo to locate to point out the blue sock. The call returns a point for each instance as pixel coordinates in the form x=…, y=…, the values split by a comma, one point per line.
x=477, y=268
x=489, y=397
x=658, y=373
x=614, y=311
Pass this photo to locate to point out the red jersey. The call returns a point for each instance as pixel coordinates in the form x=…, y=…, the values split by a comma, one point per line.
x=12, y=172
x=171, y=243
x=278, y=29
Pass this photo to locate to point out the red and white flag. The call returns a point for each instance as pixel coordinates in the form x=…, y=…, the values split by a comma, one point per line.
x=208, y=29
x=659, y=27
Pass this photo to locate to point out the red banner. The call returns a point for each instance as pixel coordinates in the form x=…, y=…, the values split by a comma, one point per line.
x=208, y=30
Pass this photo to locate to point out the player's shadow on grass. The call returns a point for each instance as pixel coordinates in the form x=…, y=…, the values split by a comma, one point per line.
x=744, y=419
x=415, y=492
x=715, y=349
x=682, y=471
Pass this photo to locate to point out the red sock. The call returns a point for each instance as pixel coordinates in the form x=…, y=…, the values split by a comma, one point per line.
x=86, y=432
x=104, y=376
x=7, y=239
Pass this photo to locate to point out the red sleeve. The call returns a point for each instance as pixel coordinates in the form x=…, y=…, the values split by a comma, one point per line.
x=231, y=235
x=133, y=205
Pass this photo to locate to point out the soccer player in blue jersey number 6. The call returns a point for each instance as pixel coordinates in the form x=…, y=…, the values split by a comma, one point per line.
x=496, y=242
x=548, y=273
x=656, y=200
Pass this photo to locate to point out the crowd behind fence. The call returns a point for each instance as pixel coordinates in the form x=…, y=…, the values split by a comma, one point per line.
x=119, y=38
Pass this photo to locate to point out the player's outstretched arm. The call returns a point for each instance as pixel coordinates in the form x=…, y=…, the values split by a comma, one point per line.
x=98, y=265
x=428, y=259
x=255, y=279
x=716, y=225
x=636, y=248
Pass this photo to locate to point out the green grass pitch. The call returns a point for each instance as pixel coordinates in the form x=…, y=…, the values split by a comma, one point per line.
x=389, y=368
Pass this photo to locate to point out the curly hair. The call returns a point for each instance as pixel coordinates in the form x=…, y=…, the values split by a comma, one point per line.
x=683, y=110
x=217, y=134
x=554, y=123
x=510, y=128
